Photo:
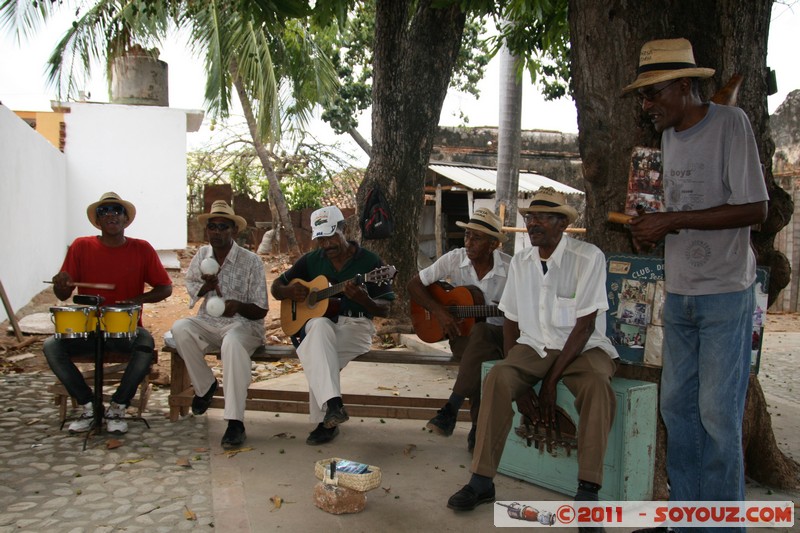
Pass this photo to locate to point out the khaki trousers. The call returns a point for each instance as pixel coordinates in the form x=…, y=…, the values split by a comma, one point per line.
x=194, y=337
x=484, y=343
x=588, y=378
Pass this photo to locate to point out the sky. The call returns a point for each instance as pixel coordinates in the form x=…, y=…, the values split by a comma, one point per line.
x=23, y=82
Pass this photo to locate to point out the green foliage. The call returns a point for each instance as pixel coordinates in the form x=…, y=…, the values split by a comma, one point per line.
x=537, y=31
x=307, y=176
x=303, y=192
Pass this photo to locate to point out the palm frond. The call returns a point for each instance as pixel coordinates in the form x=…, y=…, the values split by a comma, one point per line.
x=23, y=18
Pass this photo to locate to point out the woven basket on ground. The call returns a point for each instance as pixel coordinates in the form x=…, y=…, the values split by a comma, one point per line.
x=360, y=482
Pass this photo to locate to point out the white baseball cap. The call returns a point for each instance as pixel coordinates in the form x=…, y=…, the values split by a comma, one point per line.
x=324, y=221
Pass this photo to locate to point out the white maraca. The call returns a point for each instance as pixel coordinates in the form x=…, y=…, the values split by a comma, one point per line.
x=209, y=266
x=215, y=306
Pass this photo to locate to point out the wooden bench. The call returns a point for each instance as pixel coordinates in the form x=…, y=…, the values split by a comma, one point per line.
x=116, y=363
x=284, y=401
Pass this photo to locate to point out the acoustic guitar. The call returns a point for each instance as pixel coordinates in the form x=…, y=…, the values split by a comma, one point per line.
x=465, y=302
x=319, y=301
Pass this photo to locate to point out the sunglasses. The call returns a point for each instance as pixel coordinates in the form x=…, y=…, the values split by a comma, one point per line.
x=212, y=226
x=650, y=94
x=110, y=209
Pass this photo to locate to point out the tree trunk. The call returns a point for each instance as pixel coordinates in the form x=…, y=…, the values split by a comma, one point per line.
x=728, y=35
x=275, y=191
x=415, y=52
x=509, y=142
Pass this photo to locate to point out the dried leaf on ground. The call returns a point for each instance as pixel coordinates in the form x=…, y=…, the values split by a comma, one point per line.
x=189, y=514
x=183, y=461
x=276, y=502
x=237, y=451
x=409, y=449
x=113, y=443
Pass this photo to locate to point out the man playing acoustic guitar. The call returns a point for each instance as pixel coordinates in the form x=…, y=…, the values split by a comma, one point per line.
x=478, y=271
x=325, y=344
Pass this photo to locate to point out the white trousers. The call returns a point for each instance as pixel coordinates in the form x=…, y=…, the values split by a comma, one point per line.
x=195, y=337
x=325, y=350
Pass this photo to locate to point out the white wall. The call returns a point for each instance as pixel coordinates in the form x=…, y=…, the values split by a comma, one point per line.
x=33, y=184
x=139, y=152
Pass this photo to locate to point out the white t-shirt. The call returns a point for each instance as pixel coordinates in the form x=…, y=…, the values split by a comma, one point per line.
x=546, y=307
x=713, y=163
x=456, y=268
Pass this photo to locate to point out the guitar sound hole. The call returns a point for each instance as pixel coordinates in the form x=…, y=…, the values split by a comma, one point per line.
x=312, y=299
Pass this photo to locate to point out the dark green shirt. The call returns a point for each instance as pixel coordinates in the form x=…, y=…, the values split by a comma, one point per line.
x=316, y=263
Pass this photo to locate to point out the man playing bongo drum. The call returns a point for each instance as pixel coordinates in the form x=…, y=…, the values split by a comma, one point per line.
x=127, y=264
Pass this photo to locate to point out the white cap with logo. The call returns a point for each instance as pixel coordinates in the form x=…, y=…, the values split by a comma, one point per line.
x=324, y=221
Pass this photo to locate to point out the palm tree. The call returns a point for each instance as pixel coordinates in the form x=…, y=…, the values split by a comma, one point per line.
x=509, y=136
x=278, y=72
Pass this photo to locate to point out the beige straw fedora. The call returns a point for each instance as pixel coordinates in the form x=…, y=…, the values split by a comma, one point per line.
x=666, y=59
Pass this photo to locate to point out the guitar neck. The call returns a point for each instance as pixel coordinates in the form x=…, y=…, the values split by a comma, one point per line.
x=335, y=289
x=474, y=311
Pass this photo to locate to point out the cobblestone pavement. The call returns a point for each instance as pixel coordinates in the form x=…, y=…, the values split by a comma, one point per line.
x=156, y=480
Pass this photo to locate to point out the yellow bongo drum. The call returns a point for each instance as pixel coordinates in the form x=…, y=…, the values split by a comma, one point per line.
x=73, y=321
x=119, y=321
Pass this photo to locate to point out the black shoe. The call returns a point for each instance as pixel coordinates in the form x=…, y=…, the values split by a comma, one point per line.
x=467, y=499
x=335, y=416
x=321, y=435
x=444, y=422
x=200, y=403
x=471, y=439
x=234, y=435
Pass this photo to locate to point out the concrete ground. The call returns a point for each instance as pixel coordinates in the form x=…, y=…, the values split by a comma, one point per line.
x=419, y=470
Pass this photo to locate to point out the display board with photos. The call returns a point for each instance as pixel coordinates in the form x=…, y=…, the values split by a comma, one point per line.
x=634, y=322
x=645, y=183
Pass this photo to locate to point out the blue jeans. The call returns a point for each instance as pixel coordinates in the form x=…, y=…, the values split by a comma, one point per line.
x=58, y=353
x=707, y=344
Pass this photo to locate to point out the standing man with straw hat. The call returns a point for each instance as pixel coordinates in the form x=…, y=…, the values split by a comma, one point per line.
x=237, y=330
x=554, y=304
x=127, y=264
x=714, y=191
x=481, y=264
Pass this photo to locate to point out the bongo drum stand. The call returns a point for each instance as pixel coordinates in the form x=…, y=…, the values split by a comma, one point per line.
x=97, y=399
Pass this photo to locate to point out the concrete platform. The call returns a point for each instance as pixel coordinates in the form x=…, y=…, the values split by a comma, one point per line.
x=420, y=470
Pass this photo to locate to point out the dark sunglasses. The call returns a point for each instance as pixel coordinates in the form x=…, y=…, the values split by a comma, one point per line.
x=212, y=226
x=650, y=94
x=109, y=209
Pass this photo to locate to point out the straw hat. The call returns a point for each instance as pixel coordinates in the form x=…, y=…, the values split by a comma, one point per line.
x=548, y=200
x=221, y=209
x=666, y=59
x=324, y=221
x=487, y=222
x=110, y=198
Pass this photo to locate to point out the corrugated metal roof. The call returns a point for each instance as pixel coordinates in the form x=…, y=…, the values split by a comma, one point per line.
x=485, y=179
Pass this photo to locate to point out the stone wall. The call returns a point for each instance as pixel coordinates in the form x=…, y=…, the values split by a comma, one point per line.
x=552, y=154
x=785, y=125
